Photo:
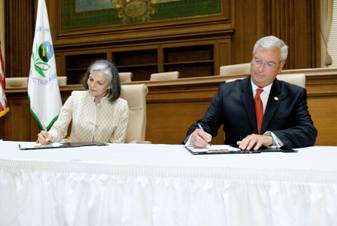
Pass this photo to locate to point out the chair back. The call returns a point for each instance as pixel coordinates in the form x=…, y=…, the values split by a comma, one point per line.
x=22, y=82
x=171, y=75
x=235, y=69
x=136, y=97
x=233, y=79
x=125, y=76
x=62, y=80
x=16, y=82
x=295, y=78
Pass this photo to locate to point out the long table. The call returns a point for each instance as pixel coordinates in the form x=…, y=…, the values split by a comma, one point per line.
x=158, y=185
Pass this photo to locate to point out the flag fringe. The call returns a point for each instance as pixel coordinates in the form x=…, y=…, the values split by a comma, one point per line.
x=5, y=111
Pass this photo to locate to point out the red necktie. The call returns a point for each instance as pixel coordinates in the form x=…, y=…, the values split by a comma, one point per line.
x=258, y=109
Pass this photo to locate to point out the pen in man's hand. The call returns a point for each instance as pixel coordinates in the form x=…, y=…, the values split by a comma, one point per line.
x=200, y=127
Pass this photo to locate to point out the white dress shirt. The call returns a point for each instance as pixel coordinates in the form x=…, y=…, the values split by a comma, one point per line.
x=264, y=98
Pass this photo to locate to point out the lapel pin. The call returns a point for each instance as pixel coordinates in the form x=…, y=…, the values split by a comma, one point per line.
x=276, y=98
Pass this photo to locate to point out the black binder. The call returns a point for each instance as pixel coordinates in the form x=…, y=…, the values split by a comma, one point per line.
x=196, y=151
x=211, y=151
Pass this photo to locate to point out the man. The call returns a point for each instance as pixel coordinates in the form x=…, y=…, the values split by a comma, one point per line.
x=259, y=110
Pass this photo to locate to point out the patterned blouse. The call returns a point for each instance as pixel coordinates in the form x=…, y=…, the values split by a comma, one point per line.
x=91, y=122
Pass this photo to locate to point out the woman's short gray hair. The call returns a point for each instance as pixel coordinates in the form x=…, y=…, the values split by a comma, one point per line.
x=110, y=70
x=103, y=66
x=271, y=41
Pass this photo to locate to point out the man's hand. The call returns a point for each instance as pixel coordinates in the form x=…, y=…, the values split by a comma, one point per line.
x=255, y=141
x=200, y=139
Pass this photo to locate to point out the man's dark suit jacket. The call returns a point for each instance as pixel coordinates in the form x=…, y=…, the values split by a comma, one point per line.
x=286, y=114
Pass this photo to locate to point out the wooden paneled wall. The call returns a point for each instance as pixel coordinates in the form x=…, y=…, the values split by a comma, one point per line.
x=172, y=106
x=19, y=32
x=295, y=21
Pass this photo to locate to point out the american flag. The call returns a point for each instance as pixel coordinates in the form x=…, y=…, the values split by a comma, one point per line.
x=3, y=101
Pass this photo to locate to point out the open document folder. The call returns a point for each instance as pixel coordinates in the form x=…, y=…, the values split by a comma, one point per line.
x=218, y=149
x=33, y=145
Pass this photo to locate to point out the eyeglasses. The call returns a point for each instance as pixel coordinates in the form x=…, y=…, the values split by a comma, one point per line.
x=269, y=64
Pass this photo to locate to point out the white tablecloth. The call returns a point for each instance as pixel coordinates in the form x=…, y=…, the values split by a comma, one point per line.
x=158, y=185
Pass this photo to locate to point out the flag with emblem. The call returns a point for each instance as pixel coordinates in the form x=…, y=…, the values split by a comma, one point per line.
x=43, y=90
x=3, y=101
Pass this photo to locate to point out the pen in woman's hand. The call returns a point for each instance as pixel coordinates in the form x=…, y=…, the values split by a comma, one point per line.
x=44, y=137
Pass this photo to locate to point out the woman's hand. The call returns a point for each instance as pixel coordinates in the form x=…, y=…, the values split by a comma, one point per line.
x=44, y=137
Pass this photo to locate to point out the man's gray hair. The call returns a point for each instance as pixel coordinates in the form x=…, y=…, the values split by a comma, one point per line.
x=270, y=42
x=103, y=66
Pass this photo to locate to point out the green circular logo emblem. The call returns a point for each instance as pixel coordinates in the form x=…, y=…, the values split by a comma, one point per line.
x=46, y=51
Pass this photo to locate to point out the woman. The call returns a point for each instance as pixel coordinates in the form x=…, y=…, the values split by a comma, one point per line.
x=98, y=114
